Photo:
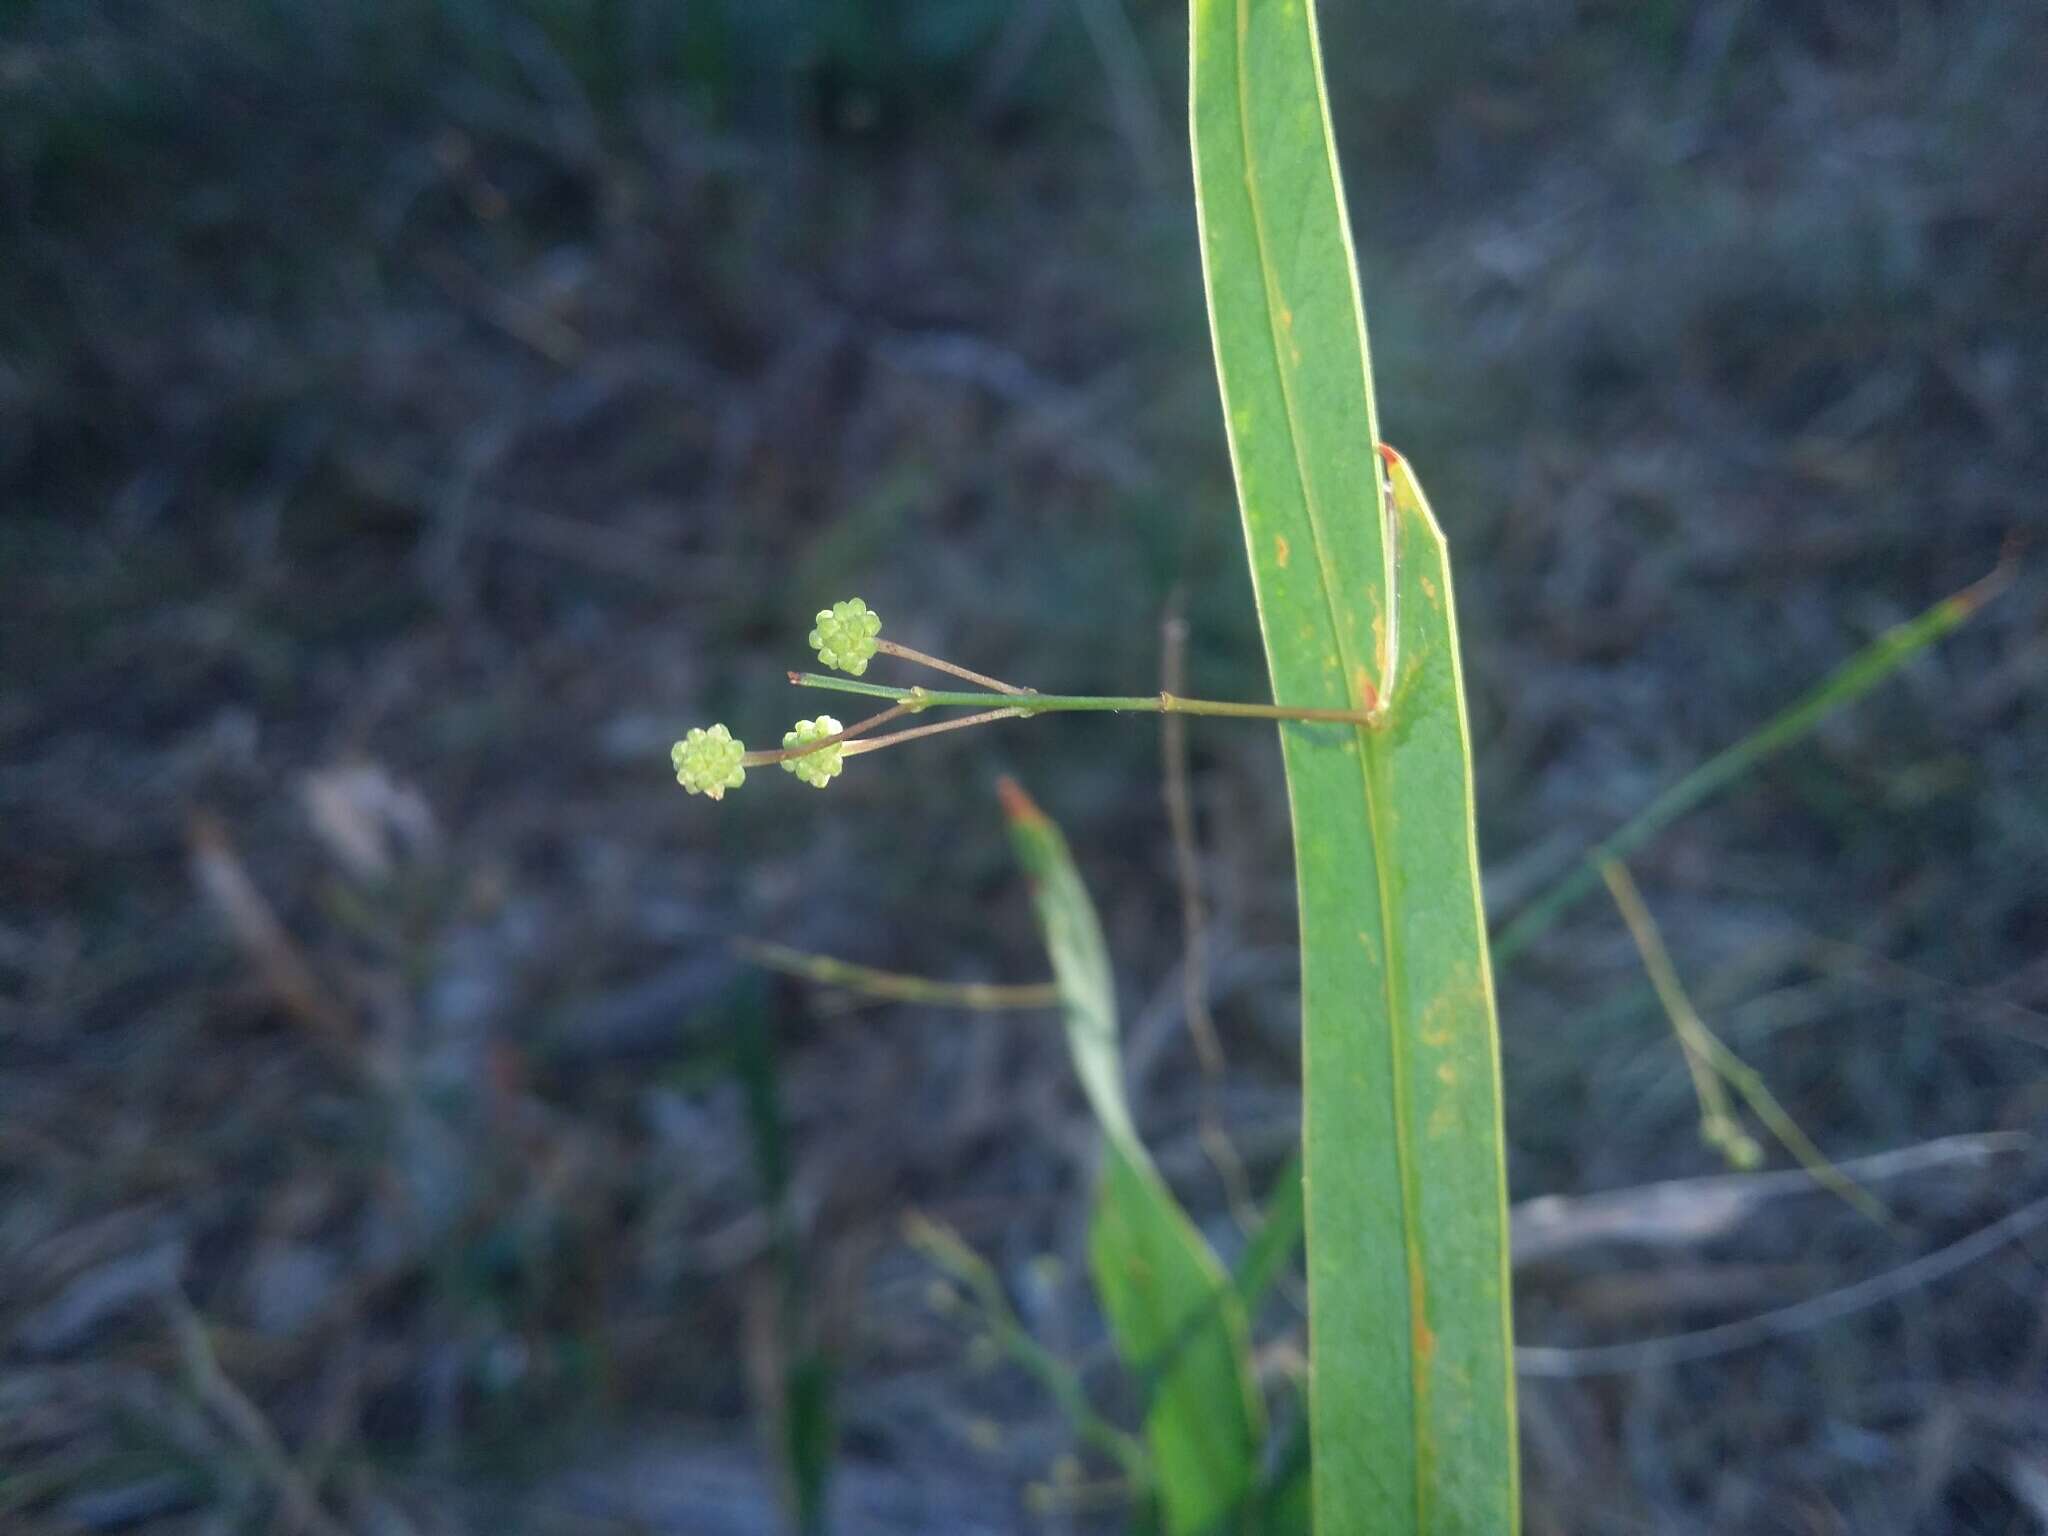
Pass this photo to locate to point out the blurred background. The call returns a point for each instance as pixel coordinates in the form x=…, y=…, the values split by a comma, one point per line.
x=414, y=415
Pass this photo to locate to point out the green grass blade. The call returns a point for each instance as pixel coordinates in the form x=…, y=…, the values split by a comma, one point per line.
x=1273, y=1246
x=1286, y=1502
x=807, y=1428
x=945, y=1248
x=1411, y=1388
x=1847, y=683
x=1728, y=1070
x=1176, y=1319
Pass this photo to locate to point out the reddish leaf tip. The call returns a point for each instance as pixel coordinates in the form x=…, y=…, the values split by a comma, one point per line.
x=1017, y=805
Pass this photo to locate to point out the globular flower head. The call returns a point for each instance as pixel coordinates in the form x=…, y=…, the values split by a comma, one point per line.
x=817, y=768
x=707, y=762
x=845, y=636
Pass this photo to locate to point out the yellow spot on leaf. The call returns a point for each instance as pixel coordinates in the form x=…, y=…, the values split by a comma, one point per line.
x=1461, y=997
x=1281, y=551
x=1429, y=591
x=1421, y=1336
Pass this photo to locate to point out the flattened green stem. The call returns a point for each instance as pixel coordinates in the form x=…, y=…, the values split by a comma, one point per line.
x=937, y=664
x=1070, y=703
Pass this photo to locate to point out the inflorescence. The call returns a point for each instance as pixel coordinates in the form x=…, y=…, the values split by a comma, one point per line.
x=709, y=760
x=821, y=767
x=846, y=636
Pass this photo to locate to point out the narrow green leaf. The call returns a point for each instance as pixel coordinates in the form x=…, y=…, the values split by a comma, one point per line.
x=945, y=1248
x=1411, y=1373
x=1176, y=1319
x=811, y=1436
x=1285, y=1502
x=1841, y=687
x=808, y=1427
x=1273, y=1246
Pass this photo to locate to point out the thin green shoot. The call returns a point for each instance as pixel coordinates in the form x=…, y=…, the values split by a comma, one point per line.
x=1719, y=1127
x=1847, y=683
x=1711, y=1063
x=945, y=1248
x=798, y=1392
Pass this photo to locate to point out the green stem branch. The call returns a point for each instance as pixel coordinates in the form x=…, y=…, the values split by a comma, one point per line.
x=896, y=738
x=1072, y=703
x=858, y=728
x=939, y=664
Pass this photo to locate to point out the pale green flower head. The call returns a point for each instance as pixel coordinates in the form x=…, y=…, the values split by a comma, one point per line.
x=817, y=768
x=707, y=762
x=845, y=636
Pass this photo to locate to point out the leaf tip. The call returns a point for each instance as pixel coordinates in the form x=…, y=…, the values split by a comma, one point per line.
x=1021, y=809
x=1995, y=581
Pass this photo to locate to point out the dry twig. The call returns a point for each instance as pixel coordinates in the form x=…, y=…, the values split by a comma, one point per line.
x=1743, y=1333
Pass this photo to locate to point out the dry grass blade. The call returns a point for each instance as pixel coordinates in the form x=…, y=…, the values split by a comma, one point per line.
x=253, y=923
x=302, y=1508
x=1745, y=1333
x=1681, y=1212
x=1178, y=794
x=898, y=986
